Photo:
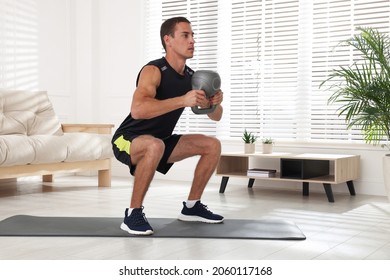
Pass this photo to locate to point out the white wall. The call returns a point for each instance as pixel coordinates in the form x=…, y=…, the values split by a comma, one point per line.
x=55, y=55
x=90, y=54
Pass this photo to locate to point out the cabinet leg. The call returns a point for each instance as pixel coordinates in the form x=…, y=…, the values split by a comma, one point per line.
x=329, y=192
x=224, y=182
x=351, y=188
x=250, y=182
x=305, y=189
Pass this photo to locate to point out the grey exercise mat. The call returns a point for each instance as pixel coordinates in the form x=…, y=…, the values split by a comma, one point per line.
x=24, y=225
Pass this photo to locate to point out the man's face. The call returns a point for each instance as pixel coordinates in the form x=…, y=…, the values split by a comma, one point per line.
x=182, y=43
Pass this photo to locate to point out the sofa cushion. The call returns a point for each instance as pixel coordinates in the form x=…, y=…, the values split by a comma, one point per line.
x=48, y=148
x=16, y=150
x=70, y=147
x=28, y=113
x=3, y=151
x=87, y=146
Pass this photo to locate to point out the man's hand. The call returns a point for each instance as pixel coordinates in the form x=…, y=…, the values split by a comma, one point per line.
x=217, y=98
x=196, y=98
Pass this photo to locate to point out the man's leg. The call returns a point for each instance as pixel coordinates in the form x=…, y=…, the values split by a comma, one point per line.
x=209, y=150
x=146, y=152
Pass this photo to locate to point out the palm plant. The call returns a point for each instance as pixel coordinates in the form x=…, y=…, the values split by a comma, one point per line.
x=363, y=88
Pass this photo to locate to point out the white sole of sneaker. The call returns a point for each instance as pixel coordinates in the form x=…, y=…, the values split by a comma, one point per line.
x=186, y=218
x=135, y=232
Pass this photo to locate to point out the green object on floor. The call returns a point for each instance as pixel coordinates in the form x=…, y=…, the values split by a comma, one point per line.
x=24, y=225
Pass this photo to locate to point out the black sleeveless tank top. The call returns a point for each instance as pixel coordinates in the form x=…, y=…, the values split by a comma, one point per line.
x=172, y=85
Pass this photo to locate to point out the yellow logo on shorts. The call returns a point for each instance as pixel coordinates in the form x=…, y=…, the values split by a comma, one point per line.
x=122, y=144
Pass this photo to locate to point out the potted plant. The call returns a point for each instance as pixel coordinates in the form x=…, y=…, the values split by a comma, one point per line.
x=363, y=90
x=267, y=145
x=249, y=140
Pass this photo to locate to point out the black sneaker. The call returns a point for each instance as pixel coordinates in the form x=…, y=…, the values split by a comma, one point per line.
x=136, y=223
x=199, y=213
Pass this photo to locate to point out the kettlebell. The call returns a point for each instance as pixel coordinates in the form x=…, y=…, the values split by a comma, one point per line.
x=210, y=83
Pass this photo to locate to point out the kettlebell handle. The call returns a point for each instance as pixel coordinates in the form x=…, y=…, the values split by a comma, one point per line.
x=199, y=111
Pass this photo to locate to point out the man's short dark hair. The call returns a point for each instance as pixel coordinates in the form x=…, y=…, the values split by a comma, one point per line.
x=168, y=27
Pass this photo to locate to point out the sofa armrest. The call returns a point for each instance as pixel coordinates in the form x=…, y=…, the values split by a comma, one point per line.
x=90, y=128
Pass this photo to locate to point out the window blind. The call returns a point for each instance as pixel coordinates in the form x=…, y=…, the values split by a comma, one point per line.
x=334, y=21
x=265, y=59
x=18, y=44
x=273, y=55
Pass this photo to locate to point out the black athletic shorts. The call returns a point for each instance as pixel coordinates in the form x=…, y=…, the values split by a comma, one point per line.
x=122, y=151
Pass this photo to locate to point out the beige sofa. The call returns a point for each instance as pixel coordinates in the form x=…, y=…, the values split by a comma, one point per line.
x=33, y=142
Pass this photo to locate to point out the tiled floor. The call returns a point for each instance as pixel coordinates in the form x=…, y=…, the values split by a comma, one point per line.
x=352, y=228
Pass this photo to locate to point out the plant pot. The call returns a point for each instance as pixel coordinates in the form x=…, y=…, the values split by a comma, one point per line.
x=250, y=148
x=267, y=148
x=386, y=174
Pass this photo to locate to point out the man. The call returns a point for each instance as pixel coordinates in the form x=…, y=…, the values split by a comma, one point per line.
x=144, y=140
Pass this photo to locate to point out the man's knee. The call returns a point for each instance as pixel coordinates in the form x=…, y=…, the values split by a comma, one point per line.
x=213, y=145
x=155, y=147
x=147, y=146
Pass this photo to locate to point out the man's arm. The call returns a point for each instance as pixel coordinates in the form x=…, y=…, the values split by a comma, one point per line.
x=146, y=106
